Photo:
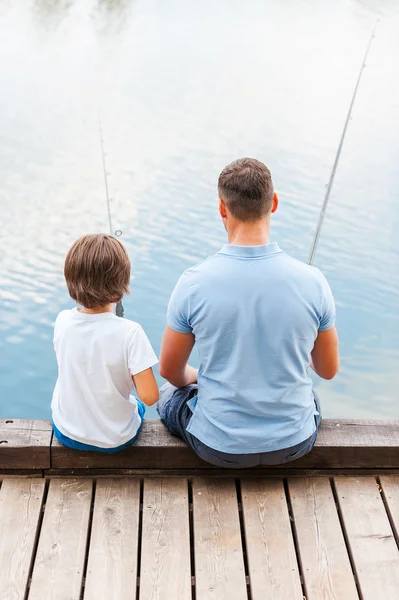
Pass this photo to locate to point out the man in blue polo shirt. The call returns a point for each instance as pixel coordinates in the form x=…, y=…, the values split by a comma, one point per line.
x=260, y=320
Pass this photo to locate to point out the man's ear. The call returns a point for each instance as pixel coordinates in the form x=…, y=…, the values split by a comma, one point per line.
x=275, y=203
x=222, y=209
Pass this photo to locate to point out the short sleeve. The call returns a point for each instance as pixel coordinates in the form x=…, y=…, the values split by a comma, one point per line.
x=58, y=327
x=178, y=316
x=141, y=355
x=327, y=312
x=55, y=332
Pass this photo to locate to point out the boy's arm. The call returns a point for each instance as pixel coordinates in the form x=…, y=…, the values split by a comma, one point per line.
x=141, y=359
x=146, y=387
x=175, y=352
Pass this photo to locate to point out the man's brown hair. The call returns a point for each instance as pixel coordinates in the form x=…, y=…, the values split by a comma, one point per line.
x=97, y=270
x=246, y=188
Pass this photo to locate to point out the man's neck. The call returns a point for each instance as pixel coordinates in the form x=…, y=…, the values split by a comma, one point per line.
x=249, y=234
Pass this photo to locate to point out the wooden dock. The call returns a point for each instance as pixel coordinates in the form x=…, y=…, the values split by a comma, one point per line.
x=138, y=527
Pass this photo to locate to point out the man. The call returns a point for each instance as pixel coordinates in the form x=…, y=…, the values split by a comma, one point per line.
x=260, y=319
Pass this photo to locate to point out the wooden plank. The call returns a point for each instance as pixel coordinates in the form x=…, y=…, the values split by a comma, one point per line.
x=20, y=505
x=25, y=444
x=273, y=569
x=390, y=487
x=18, y=473
x=342, y=444
x=325, y=562
x=154, y=448
x=112, y=564
x=354, y=444
x=59, y=563
x=371, y=541
x=219, y=563
x=253, y=473
x=165, y=551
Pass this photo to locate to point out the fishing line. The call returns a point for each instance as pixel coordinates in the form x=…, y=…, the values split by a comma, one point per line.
x=338, y=154
x=119, y=307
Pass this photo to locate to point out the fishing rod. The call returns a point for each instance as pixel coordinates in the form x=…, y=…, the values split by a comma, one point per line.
x=119, y=307
x=338, y=154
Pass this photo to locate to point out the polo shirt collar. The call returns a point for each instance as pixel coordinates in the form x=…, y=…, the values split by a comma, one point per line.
x=250, y=251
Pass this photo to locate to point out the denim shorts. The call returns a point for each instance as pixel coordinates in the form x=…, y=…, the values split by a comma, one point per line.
x=176, y=414
x=70, y=443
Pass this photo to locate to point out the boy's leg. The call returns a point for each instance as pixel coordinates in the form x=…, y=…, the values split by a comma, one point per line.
x=141, y=408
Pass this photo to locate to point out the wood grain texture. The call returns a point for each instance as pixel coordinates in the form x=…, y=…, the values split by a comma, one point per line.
x=165, y=551
x=341, y=444
x=390, y=487
x=20, y=505
x=255, y=473
x=112, y=563
x=58, y=569
x=155, y=448
x=25, y=444
x=273, y=569
x=326, y=566
x=354, y=444
x=219, y=564
x=370, y=537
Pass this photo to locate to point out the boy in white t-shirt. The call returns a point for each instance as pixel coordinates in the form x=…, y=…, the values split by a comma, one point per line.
x=100, y=356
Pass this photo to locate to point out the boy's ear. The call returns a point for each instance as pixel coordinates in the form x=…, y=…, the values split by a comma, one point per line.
x=222, y=209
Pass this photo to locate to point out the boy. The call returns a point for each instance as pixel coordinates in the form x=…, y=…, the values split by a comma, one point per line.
x=100, y=356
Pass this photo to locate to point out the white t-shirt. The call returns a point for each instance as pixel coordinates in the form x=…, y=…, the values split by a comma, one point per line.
x=97, y=356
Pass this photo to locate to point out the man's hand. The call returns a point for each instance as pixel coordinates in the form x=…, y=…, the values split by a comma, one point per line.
x=175, y=352
x=192, y=374
x=324, y=358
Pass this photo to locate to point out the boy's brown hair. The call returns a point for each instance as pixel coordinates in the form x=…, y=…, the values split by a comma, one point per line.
x=97, y=270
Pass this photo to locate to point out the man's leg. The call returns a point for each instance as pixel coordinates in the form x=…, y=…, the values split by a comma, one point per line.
x=281, y=457
x=175, y=413
x=173, y=410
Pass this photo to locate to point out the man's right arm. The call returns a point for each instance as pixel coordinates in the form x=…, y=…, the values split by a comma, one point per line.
x=325, y=354
x=178, y=340
x=175, y=352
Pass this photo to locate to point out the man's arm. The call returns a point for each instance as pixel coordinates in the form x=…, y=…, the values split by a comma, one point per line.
x=175, y=352
x=325, y=354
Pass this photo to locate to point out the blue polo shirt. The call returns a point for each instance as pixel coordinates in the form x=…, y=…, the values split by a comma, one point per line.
x=255, y=313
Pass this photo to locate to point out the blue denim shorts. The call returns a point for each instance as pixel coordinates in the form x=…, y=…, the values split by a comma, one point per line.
x=66, y=441
x=176, y=414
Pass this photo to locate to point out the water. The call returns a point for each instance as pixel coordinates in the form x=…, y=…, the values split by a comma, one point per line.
x=184, y=87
